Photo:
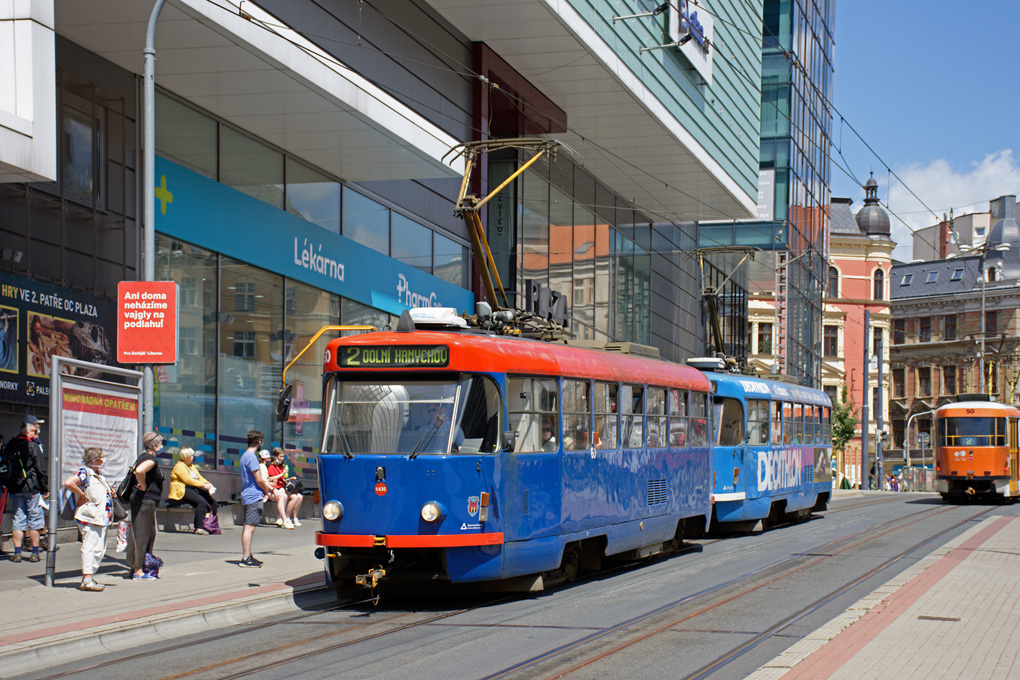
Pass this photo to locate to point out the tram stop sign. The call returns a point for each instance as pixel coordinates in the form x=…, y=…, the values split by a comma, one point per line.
x=923, y=438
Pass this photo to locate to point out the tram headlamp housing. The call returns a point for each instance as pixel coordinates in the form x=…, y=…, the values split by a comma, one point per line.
x=432, y=512
x=332, y=511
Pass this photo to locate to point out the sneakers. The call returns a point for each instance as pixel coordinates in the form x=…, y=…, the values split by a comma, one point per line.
x=144, y=577
x=91, y=586
x=16, y=557
x=287, y=524
x=295, y=522
x=201, y=532
x=250, y=561
x=279, y=522
x=34, y=557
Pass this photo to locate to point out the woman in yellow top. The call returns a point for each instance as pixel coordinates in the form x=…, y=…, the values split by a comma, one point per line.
x=189, y=487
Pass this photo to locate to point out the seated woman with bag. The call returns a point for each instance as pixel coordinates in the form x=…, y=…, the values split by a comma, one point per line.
x=189, y=487
x=288, y=490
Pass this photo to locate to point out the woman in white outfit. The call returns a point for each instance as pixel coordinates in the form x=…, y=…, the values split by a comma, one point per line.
x=94, y=514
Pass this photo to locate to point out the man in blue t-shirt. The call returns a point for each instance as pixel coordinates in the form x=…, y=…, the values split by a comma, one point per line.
x=253, y=493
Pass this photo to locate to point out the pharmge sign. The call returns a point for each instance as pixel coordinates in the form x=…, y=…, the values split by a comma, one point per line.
x=147, y=326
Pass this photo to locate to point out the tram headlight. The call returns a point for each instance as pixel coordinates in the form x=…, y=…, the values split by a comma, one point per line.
x=332, y=510
x=432, y=512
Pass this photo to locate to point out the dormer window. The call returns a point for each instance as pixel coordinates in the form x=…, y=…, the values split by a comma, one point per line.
x=957, y=275
x=906, y=279
x=932, y=277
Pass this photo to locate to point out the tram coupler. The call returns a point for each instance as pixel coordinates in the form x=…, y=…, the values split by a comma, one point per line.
x=371, y=579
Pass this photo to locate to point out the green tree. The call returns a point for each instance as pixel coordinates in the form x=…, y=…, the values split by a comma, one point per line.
x=844, y=421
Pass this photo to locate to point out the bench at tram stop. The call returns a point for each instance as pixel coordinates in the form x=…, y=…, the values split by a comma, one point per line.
x=230, y=513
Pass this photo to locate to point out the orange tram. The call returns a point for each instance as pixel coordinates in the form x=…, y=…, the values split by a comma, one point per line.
x=976, y=450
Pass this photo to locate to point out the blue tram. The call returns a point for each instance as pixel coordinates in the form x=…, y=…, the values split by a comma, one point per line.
x=772, y=450
x=453, y=455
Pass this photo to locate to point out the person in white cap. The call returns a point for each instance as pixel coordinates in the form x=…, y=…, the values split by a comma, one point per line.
x=27, y=484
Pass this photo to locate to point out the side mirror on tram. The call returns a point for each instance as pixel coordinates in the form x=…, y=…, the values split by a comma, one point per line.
x=509, y=441
x=283, y=403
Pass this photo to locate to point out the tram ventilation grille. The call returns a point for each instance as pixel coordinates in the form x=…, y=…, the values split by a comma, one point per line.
x=657, y=491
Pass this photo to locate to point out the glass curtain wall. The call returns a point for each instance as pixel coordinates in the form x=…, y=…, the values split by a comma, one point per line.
x=571, y=248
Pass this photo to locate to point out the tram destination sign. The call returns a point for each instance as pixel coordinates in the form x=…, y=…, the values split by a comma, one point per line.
x=394, y=356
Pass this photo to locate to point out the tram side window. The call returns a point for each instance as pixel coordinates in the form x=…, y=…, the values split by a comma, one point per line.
x=777, y=423
x=655, y=420
x=606, y=412
x=480, y=416
x=787, y=424
x=757, y=421
x=699, y=419
x=817, y=420
x=533, y=406
x=799, y=423
x=827, y=424
x=677, y=408
x=576, y=415
x=729, y=413
x=632, y=410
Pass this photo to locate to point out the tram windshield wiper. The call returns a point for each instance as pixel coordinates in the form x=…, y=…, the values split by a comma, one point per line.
x=428, y=436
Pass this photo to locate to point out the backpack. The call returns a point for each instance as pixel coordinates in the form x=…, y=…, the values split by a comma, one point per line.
x=10, y=465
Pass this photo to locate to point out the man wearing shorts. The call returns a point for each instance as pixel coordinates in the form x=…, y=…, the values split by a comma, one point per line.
x=27, y=485
x=254, y=488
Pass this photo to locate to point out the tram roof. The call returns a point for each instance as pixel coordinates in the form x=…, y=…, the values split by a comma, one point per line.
x=977, y=408
x=477, y=352
x=732, y=384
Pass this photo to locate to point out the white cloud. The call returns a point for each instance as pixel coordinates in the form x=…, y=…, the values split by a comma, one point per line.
x=942, y=187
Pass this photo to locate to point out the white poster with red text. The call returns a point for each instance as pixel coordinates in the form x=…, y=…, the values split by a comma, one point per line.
x=99, y=416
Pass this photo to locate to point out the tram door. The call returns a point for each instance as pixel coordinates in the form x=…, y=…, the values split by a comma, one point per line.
x=1014, y=457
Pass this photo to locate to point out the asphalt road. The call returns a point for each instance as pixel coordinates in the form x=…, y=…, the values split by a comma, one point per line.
x=720, y=609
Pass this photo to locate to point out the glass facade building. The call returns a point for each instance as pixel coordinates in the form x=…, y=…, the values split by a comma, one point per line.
x=796, y=126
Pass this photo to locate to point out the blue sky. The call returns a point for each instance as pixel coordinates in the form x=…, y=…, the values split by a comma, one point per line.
x=932, y=87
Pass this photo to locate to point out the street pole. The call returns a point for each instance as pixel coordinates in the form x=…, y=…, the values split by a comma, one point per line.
x=981, y=327
x=148, y=184
x=879, y=423
x=864, y=404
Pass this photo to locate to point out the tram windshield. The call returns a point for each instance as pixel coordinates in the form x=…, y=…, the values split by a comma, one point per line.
x=415, y=417
x=972, y=432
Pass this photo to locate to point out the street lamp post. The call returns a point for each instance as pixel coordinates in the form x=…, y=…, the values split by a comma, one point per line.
x=982, y=325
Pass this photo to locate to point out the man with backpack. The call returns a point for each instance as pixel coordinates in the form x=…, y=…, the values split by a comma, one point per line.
x=26, y=484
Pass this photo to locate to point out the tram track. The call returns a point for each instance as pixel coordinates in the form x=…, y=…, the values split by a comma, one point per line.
x=307, y=647
x=549, y=658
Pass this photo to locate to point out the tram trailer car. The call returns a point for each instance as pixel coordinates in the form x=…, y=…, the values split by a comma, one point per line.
x=772, y=450
x=976, y=450
x=455, y=456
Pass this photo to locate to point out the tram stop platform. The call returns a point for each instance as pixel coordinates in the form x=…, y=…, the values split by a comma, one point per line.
x=949, y=615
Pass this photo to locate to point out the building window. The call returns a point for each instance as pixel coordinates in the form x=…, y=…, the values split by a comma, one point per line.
x=898, y=434
x=932, y=277
x=991, y=322
x=924, y=382
x=905, y=281
x=831, y=393
x=764, y=338
x=876, y=342
x=899, y=332
x=878, y=292
x=949, y=329
x=244, y=296
x=899, y=383
x=924, y=329
x=82, y=141
x=833, y=282
x=949, y=379
x=957, y=275
x=244, y=344
x=830, y=341
x=189, y=340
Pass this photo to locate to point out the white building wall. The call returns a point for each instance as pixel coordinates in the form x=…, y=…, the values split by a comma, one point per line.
x=27, y=92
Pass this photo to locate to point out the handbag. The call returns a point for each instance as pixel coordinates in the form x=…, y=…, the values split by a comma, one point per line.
x=69, y=506
x=127, y=486
x=294, y=486
x=152, y=565
x=211, y=523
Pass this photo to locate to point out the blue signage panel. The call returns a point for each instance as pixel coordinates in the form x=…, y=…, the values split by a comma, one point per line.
x=199, y=210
